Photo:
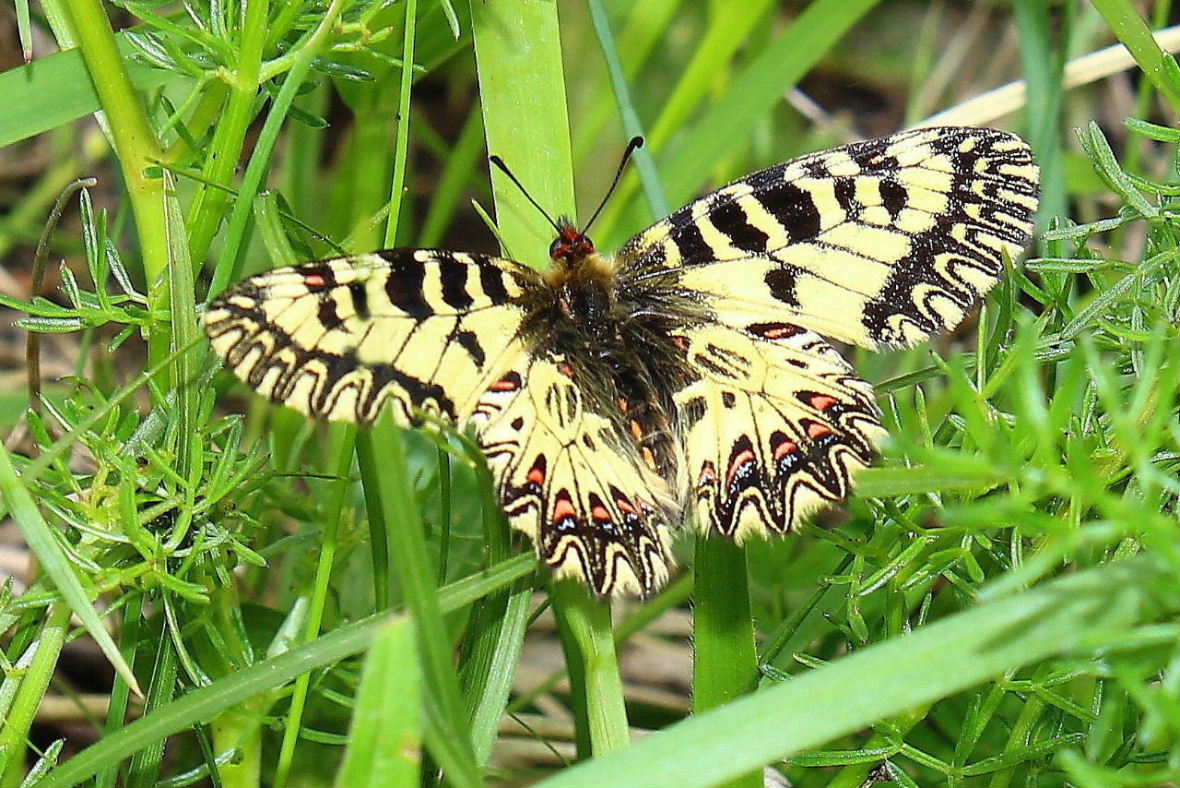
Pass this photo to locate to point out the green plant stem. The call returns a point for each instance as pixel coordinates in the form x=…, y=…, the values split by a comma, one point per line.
x=32, y=689
x=391, y=504
x=402, y=143
x=228, y=262
x=229, y=135
x=522, y=93
x=725, y=662
x=1133, y=32
x=344, y=441
x=600, y=707
x=495, y=634
x=145, y=764
x=121, y=692
x=137, y=147
x=854, y=775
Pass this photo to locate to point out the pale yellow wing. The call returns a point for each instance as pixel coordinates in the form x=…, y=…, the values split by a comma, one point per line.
x=776, y=427
x=880, y=243
x=569, y=480
x=429, y=330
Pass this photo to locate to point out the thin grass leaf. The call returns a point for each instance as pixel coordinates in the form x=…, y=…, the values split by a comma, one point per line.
x=384, y=743
x=887, y=678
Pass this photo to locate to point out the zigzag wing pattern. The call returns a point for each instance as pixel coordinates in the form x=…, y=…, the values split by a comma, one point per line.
x=776, y=427
x=429, y=330
x=880, y=243
x=593, y=509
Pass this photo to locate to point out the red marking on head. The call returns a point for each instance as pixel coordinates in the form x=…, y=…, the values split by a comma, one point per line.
x=563, y=509
x=313, y=281
x=822, y=402
x=600, y=514
x=744, y=458
x=784, y=448
x=815, y=430
x=570, y=244
x=537, y=476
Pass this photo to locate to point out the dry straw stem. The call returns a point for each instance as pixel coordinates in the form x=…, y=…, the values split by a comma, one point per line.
x=1083, y=70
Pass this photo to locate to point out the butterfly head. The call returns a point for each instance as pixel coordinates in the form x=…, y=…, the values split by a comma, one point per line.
x=571, y=245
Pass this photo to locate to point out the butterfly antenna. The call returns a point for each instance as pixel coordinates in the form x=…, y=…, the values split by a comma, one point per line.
x=504, y=168
x=635, y=144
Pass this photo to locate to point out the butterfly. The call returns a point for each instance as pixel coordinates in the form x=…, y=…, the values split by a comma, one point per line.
x=690, y=376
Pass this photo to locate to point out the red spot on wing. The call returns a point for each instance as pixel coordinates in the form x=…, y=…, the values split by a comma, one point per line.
x=708, y=474
x=314, y=281
x=745, y=457
x=815, y=430
x=625, y=506
x=510, y=382
x=565, y=369
x=600, y=514
x=775, y=330
x=563, y=508
x=537, y=476
x=822, y=402
x=784, y=448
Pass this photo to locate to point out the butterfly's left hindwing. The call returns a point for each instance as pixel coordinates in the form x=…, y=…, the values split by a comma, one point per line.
x=570, y=481
x=428, y=330
x=776, y=426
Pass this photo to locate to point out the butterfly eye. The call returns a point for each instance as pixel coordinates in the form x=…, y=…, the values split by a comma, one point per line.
x=557, y=248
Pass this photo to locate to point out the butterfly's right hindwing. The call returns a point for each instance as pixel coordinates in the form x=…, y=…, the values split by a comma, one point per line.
x=428, y=330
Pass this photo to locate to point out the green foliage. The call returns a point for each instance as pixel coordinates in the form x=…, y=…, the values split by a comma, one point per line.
x=998, y=607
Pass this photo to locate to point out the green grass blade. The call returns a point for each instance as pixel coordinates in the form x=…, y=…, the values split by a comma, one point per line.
x=1131, y=29
x=384, y=742
x=644, y=162
x=522, y=92
x=725, y=664
x=887, y=678
x=518, y=57
x=203, y=704
x=392, y=506
x=55, y=90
